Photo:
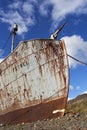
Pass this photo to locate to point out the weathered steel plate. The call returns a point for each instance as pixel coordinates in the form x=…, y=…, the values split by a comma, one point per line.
x=34, y=82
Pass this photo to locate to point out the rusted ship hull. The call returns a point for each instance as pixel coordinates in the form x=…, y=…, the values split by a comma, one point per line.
x=34, y=113
x=34, y=82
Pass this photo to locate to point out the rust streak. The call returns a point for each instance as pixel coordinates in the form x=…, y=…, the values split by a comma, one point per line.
x=31, y=114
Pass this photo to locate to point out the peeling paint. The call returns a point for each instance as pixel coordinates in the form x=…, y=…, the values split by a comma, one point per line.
x=35, y=73
x=56, y=111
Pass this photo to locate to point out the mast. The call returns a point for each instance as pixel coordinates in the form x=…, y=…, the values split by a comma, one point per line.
x=14, y=30
x=55, y=34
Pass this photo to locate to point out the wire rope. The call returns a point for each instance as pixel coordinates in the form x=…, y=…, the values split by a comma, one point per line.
x=77, y=59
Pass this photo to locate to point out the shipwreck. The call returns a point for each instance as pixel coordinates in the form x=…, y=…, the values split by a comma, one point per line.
x=34, y=81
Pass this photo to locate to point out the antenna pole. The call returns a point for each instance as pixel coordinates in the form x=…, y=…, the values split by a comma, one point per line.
x=14, y=30
x=13, y=37
x=54, y=36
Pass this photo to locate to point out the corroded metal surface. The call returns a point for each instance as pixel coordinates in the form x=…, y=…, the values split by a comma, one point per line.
x=34, y=82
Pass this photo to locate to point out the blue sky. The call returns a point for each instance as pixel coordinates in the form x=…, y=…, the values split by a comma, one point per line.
x=39, y=19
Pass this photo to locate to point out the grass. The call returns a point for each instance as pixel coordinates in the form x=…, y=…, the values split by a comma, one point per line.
x=79, y=106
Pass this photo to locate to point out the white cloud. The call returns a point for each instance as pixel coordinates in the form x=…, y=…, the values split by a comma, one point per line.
x=75, y=88
x=44, y=8
x=1, y=59
x=71, y=87
x=15, y=5
x=76, y=47
x=60, y=9
x=21, y=13
x=70, y=98
x=85, y=92
x=28, y=8
x=78, y=88
x=67, y=7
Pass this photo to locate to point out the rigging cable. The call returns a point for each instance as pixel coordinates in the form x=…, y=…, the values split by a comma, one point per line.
x=77, y=60
x=5, y=44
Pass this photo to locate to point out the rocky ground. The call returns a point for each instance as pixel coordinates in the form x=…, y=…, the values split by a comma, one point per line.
x=68, y=122
x=75, y=118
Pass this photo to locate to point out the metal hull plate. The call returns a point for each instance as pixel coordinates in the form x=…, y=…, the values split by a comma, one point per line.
x=34, y=82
